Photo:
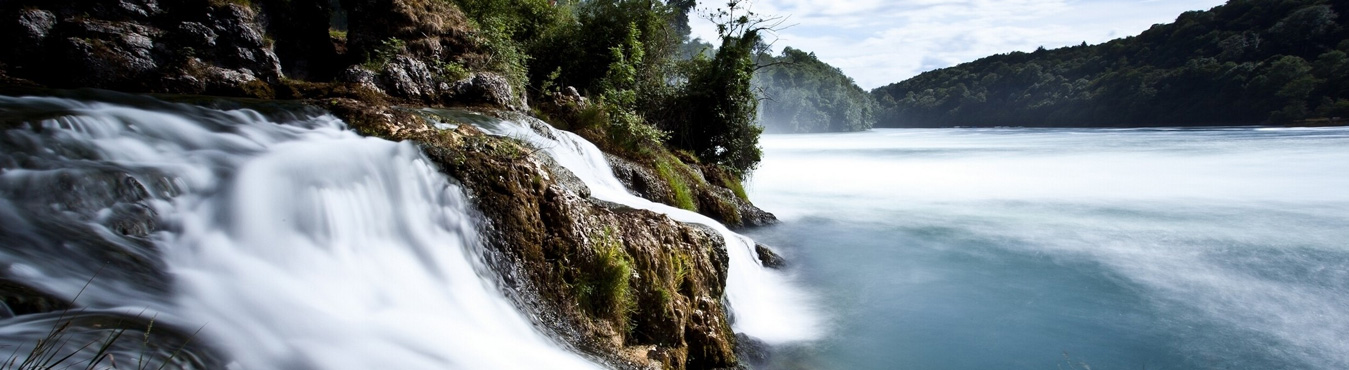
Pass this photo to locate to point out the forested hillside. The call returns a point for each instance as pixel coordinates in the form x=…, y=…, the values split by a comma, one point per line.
x=1245, y=62
x=803, y=94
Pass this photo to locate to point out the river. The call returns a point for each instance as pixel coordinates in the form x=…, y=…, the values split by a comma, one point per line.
x=1064, y=248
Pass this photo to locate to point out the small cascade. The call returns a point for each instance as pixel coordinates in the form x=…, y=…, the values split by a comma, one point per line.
x=295, y=246
x=764, y=303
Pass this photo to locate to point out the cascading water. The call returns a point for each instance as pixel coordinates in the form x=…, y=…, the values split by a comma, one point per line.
x=764, y=303
x=292, y=246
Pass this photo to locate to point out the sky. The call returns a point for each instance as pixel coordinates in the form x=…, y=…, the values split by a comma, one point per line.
x=879, y=42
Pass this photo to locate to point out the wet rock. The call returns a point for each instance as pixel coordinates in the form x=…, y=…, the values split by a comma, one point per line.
x=639, y=180
x=769, y=258
x=712, y=200
x=21, y=299
x=550, y=242
x=752, y=350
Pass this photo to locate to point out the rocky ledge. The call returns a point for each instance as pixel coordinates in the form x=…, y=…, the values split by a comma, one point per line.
x=632, y=287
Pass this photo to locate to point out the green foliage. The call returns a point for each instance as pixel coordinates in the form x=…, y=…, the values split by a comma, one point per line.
x=736, y=187
x=509, y=28
x=1246, y=62
x=633, y=39
x=451, y=70
x=623, y=54
x=668, y=169
x=604, y=290
x=717, y=108
x=387, y=50
x=803, y=94
x=680, y=266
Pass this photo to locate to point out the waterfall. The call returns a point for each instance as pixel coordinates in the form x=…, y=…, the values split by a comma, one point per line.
x=764, y=303
x=295, y=246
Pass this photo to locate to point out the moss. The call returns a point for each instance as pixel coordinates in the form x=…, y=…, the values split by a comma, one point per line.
x=244, y=3
x=258, y=89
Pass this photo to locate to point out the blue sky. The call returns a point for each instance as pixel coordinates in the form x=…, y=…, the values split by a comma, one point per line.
x=878, y=42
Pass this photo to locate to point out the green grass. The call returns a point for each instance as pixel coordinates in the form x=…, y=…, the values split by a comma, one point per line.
x=605, y=289
x=683, y=196
x=737, y=187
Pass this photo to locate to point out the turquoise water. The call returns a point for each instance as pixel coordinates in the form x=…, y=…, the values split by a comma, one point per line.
x=1066, y=249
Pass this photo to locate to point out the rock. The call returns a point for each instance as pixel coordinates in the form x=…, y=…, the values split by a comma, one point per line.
x=712, y=200
x=34, y=24
x=484, y=87
x=137, y=46
x=195, y=33
x=21, y=299
x=432, y=29
x=639, y=180
x=409, y=78
x=302, y=41
x=362, y=77
x=550, y=243
x=752, y=350
x=769, y=258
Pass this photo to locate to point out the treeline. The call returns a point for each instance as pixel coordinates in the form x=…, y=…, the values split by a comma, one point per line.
x=623, y=58
x=803, y=94
x=1245, y=62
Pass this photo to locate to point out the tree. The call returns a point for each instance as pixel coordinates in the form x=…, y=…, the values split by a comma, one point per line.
x=718, y=106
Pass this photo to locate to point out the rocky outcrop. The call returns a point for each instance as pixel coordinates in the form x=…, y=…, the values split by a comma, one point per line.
x=630, y=286
x=412, y=51
x=194, y=47
x=710, y=198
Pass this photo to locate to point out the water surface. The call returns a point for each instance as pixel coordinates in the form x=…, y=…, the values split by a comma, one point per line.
x=1068, y=249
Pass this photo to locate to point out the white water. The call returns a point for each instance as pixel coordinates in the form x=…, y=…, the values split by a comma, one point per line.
x=764, y=302
x=296, y=246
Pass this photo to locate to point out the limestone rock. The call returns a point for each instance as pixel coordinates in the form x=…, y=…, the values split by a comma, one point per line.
x=484, y=87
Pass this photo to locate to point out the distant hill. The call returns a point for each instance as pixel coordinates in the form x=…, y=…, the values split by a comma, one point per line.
x=803, y=94
x=1245, y=62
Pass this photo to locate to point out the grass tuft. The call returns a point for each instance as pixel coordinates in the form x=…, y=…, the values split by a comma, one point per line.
x=605, y=290
x=666, y=170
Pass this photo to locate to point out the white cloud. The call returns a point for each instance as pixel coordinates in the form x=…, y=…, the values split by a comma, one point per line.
x=880, y=42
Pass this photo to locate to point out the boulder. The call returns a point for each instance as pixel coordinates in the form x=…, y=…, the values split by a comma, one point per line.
x=485, y=88
x=769, y=258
